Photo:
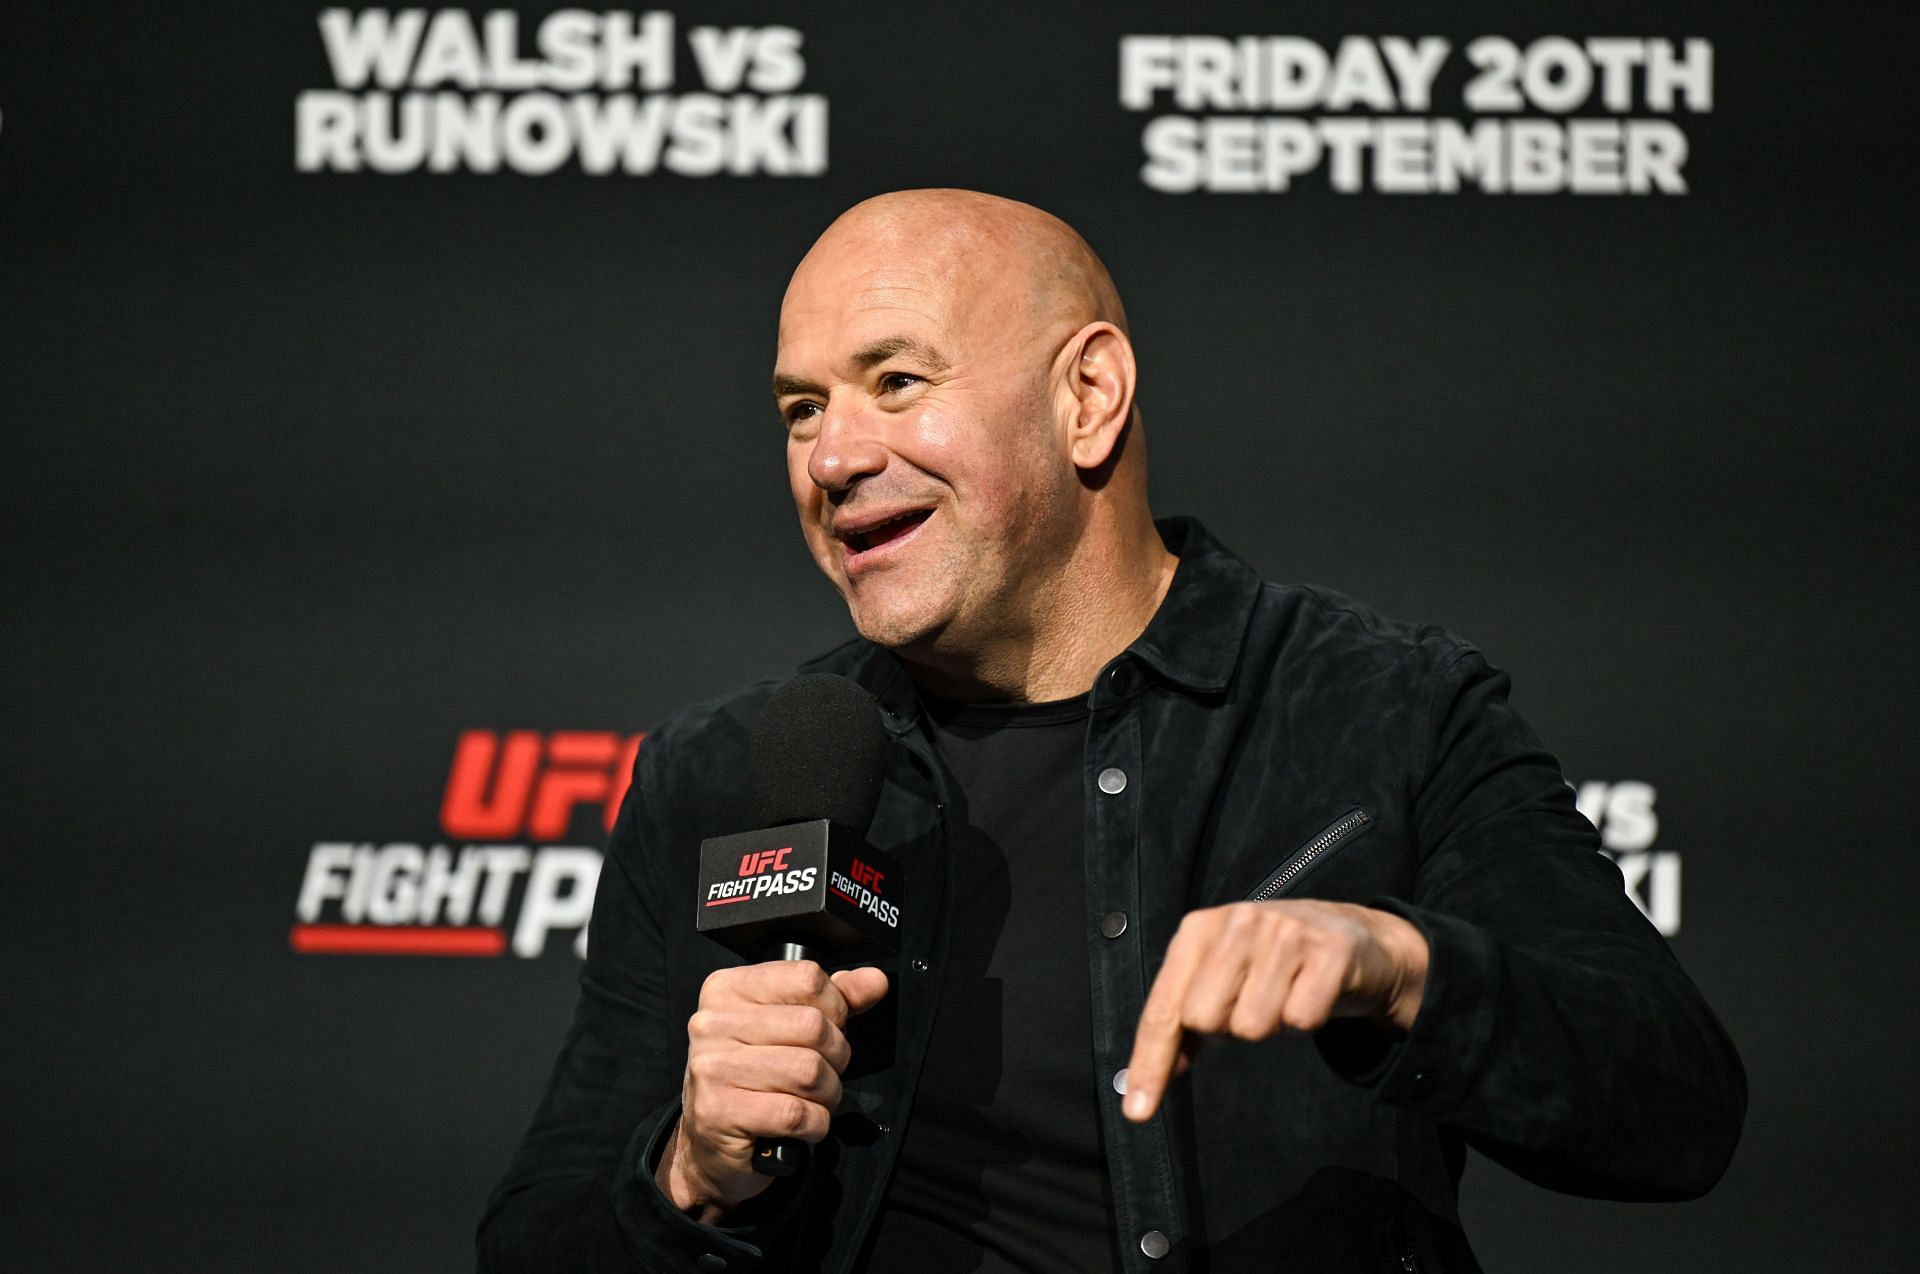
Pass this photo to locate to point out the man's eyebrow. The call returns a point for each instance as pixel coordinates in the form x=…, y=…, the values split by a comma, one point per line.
x=865, y=358
x=892, y=346
x=784, y=384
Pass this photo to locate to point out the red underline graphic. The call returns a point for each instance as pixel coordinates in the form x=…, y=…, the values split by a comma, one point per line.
x=422, y=940
x=721, y=902
x=844, y=894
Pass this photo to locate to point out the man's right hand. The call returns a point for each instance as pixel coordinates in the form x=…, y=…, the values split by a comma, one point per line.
x=765, y=1051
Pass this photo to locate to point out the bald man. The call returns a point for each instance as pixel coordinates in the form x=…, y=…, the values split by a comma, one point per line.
x=1147, y=802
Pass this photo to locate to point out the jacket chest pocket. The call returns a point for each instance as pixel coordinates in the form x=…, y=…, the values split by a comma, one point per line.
x=1318, y=848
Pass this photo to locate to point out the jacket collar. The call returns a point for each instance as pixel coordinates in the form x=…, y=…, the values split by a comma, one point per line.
x=1193, y=640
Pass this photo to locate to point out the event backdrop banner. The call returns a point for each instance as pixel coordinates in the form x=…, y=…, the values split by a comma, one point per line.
x=388, y=392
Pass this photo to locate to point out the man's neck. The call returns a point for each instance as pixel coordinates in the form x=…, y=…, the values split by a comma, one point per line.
x=1100, y=603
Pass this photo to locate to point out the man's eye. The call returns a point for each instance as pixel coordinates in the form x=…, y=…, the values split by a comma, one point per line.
x=802, y=411
x=897, y=382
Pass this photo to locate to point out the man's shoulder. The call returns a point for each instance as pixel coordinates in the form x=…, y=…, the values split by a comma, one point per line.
x=1310, y=623
x=1226, y=604
x=1327, y=616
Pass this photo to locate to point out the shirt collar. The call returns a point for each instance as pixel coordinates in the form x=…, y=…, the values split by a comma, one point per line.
x=1193, y=640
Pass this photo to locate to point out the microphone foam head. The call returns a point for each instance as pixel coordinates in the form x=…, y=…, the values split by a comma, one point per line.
x=819, y=751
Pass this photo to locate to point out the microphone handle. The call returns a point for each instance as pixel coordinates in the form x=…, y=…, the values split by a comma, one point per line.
x=783, y=1156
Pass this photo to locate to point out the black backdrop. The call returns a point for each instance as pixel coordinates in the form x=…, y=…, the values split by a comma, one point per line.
x=315, y=471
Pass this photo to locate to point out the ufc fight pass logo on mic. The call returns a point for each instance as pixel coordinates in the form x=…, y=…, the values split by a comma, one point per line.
x=762, y=872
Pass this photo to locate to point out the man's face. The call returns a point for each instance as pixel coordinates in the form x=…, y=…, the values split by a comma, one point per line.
x=930, y=476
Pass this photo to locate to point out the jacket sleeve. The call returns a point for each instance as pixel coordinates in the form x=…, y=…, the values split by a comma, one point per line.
x=1557, y=1033
x=579, y=1195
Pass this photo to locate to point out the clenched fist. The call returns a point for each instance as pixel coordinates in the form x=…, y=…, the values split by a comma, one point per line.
x=765, y=1051
x=1251, y=969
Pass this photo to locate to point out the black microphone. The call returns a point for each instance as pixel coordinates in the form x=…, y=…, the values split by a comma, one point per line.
x=806, y=885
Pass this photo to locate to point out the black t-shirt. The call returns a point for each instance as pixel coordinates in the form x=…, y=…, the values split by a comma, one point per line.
x=1002, y=1168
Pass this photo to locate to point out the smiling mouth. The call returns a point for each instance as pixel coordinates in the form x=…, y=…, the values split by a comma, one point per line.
x=886, y=532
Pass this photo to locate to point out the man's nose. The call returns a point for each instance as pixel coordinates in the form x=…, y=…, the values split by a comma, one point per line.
x=849, y=447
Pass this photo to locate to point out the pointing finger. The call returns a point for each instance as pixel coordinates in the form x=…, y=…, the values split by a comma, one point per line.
x=1156, y=1043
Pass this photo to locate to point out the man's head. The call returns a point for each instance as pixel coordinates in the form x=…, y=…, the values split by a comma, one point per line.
x=957, y=384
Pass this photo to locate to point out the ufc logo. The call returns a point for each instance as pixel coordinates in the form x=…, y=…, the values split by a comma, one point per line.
x=764, y=860
x=534, y=781
x=867, y=875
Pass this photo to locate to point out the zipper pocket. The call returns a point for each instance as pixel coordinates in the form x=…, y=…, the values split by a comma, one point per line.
x=1312, y=852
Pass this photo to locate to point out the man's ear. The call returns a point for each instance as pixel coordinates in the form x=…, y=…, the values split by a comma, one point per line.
x=1099, y=377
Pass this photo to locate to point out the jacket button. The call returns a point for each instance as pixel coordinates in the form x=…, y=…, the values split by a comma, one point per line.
x=1120, y=1081
x=711, y=1262
x=1120, y=680
x=919, y=966
x=1154, y=1245
x=1420, y=1085
x=1113, y=780
x=1113, y=924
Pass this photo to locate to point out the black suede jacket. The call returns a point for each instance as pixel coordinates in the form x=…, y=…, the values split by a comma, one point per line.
x=1257, y=741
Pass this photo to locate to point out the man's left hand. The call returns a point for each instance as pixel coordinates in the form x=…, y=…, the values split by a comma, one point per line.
x=1250, y=969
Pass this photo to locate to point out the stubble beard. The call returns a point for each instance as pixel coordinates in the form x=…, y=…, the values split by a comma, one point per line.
x=962, y=607
x=909, y=614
